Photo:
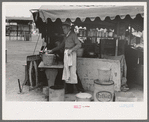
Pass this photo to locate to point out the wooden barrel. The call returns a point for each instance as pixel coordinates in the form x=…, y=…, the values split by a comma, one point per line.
x=103, y=91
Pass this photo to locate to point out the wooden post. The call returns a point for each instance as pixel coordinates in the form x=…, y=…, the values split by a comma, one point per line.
x=116, y=49
x=6, y=55
x=29, y=32
x=17, y=31
x=24, y=33
x=9, y=31
x=21, y=33
x=47, y=37
x=130, y=32
x=19, y=85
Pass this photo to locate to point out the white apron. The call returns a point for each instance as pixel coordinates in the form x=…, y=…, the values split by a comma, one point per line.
x=69, y=71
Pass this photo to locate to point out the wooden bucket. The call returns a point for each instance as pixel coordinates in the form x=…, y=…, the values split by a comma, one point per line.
x=56, y=93
x=48, y=59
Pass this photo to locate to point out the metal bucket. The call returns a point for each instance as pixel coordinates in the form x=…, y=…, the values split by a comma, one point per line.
x=103, y=91
x=83, y=97
x=56, y=93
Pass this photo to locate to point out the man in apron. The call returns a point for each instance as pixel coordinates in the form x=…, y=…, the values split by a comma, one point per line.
x=71, y=44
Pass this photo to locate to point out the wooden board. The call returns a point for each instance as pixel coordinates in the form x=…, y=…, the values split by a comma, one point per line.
x=55, y=66
x=125, y=97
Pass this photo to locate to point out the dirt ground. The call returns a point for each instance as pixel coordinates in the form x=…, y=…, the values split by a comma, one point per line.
x=17, y=51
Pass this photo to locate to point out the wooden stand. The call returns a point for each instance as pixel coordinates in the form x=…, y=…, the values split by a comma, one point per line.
x=51, y=71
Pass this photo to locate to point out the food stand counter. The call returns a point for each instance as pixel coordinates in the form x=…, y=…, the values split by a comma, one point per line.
x=87, y=69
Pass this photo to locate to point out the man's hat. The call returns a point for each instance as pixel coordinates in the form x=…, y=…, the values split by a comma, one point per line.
x=67, y=23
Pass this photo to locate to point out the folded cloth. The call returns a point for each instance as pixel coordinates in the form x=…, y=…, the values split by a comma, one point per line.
x=69, y=71
x=67, y=64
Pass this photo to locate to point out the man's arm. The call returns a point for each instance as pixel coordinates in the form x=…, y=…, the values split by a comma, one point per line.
x=77, y=42
x=58, y=47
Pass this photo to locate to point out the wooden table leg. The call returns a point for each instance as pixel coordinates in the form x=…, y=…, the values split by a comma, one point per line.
x=51, y=76
x=26, y=76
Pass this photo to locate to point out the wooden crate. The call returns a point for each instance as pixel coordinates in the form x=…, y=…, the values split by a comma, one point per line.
x=125, y=97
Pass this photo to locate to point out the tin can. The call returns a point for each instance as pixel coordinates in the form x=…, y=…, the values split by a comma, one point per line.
x=103, y=91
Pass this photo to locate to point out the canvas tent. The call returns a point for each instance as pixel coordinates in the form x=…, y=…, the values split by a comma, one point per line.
x=91, y=11
x=105, y=14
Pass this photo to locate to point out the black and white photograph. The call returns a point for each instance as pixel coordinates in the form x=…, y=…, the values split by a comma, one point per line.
x=74, y=60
